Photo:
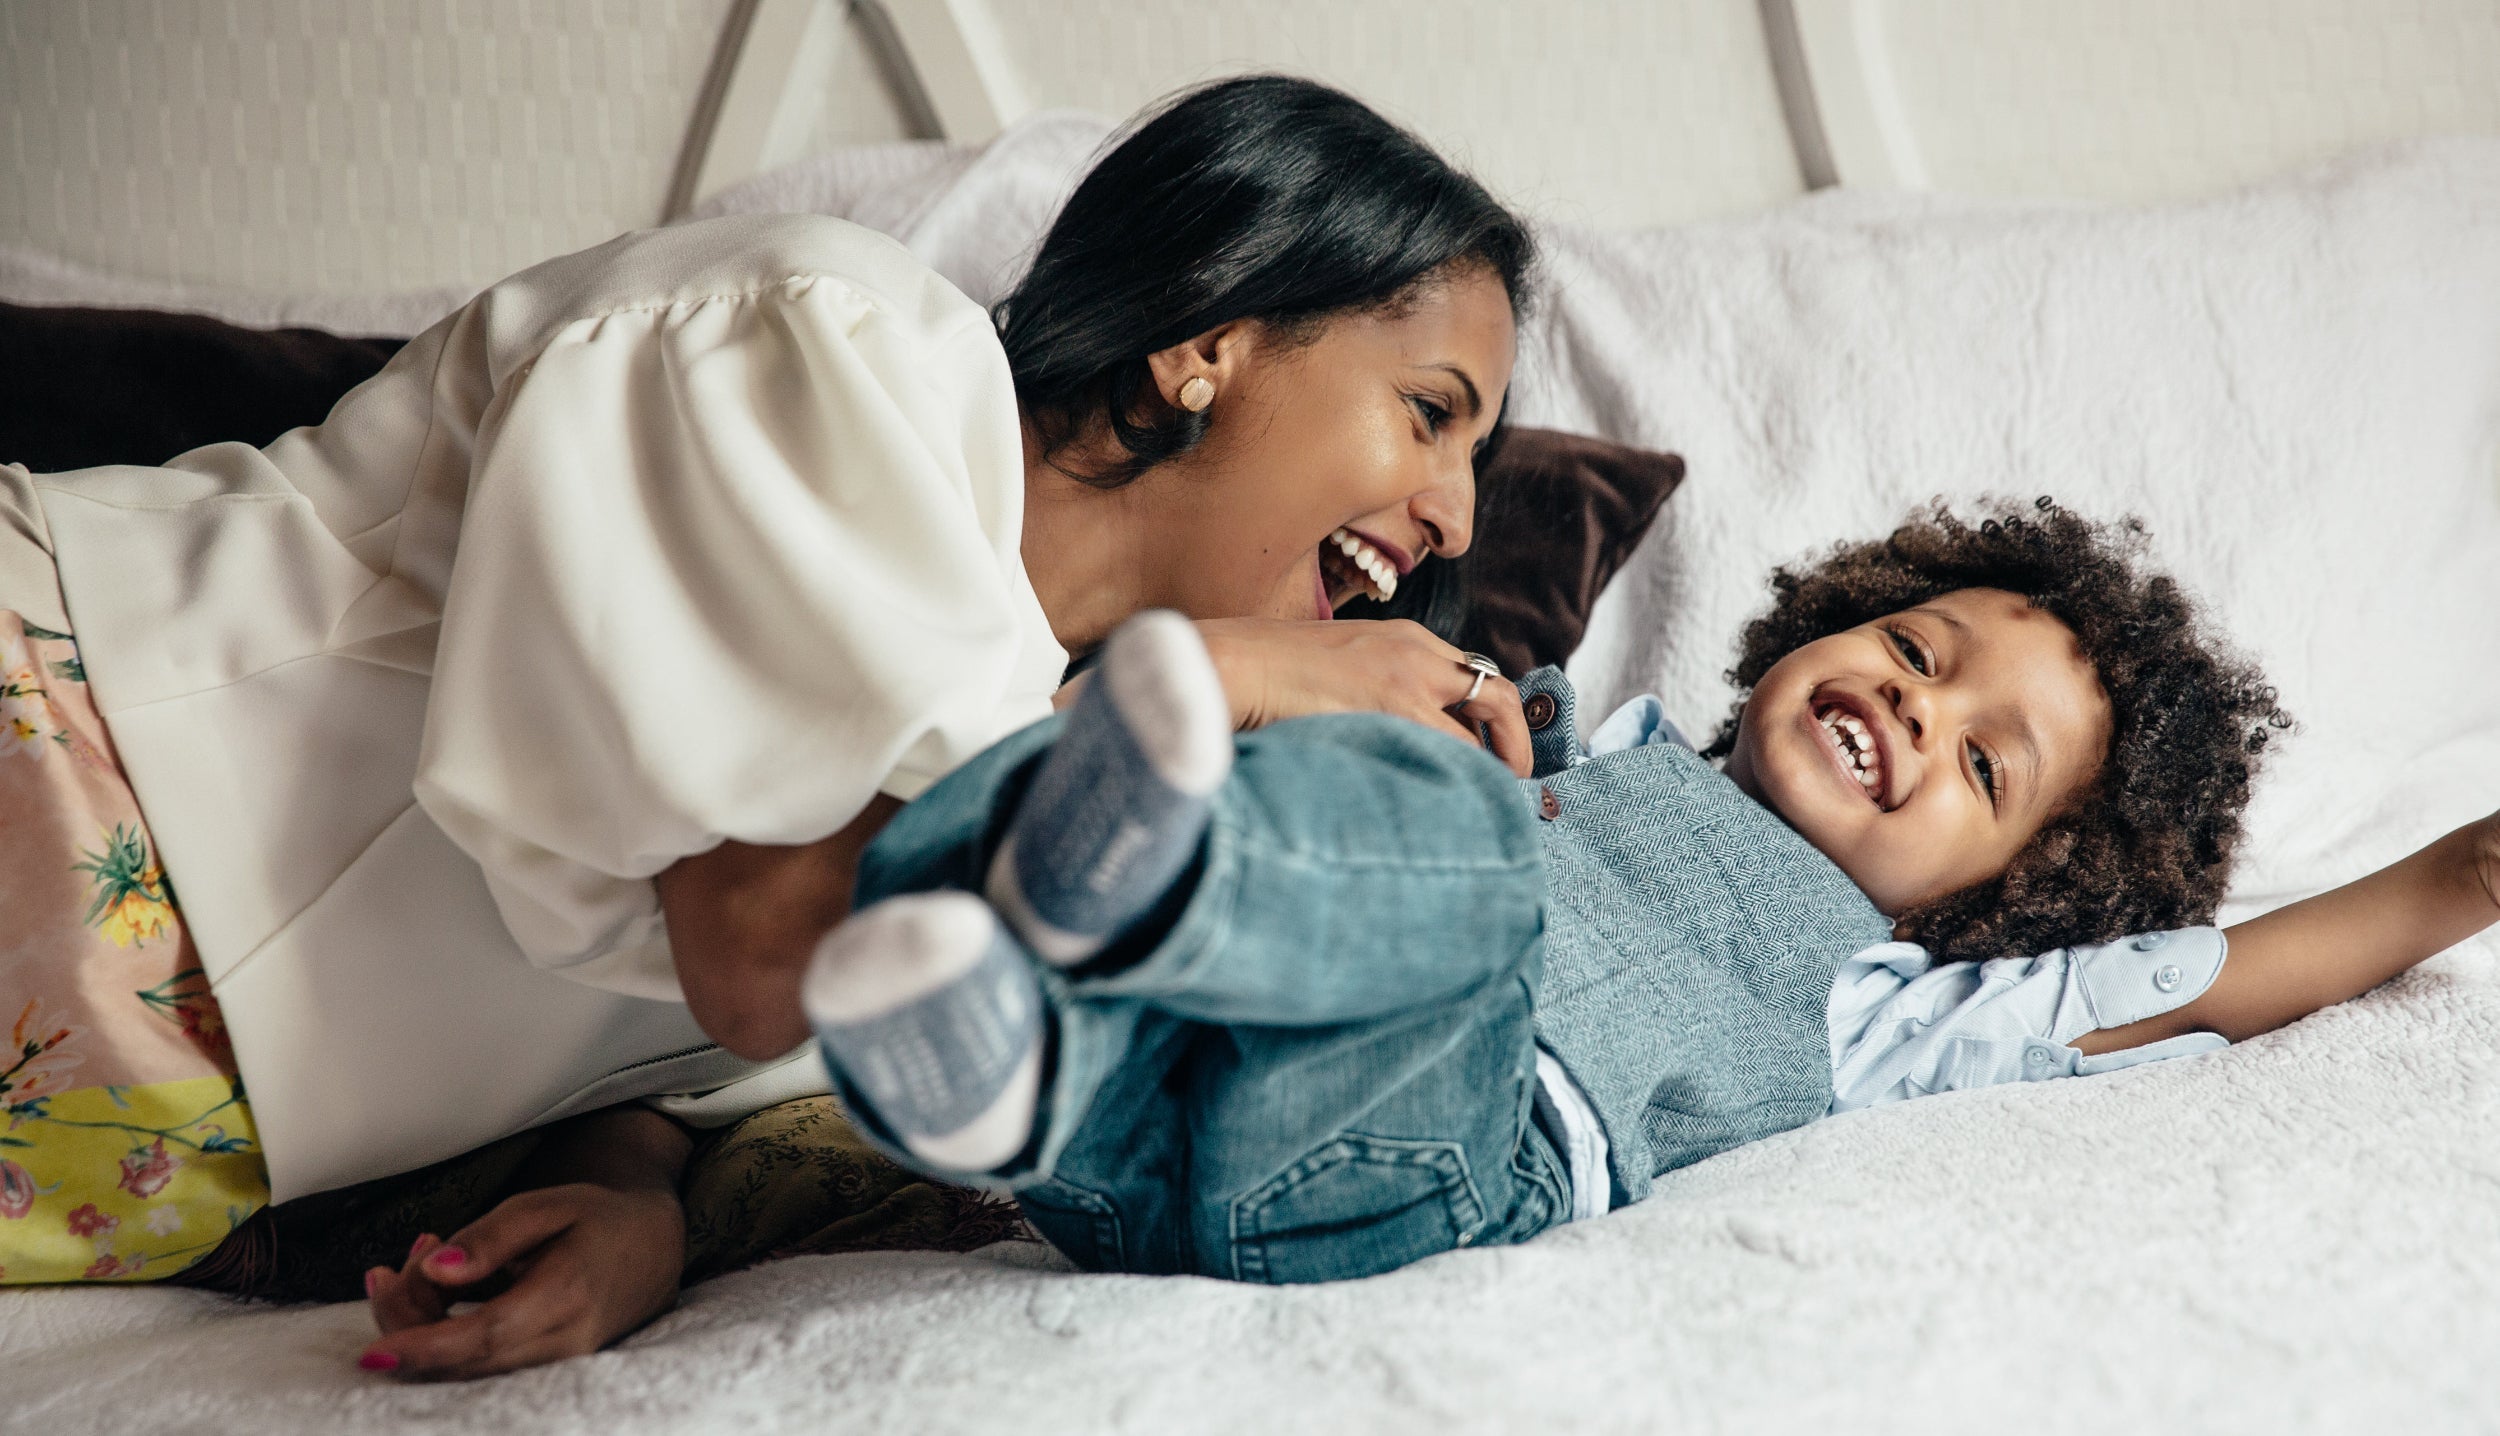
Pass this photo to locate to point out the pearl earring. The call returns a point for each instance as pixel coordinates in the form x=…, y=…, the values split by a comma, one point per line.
x=1197, y=394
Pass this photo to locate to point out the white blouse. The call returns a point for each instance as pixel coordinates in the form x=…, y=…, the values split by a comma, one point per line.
x=710, y=532
x=729, y=566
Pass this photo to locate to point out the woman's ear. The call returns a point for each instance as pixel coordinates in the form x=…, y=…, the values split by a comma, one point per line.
x=1219, y=356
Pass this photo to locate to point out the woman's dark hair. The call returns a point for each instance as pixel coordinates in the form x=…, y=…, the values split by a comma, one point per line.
x=1266, y=198
x=2148, y=842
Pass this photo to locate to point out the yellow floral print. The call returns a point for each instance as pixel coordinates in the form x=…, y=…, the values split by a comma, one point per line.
x=127, y=1150
x=132, y=901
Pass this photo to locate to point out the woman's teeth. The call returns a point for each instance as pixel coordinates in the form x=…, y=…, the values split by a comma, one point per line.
x=1369, y=564
x=1857, y=748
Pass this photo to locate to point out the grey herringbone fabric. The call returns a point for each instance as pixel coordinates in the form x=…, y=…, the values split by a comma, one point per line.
x=1691, y=943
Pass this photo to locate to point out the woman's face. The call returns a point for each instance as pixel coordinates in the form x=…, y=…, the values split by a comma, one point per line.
x=1367, y=432
x=1920, y=752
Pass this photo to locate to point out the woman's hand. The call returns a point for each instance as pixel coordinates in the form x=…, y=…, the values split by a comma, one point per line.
x=1274, y=669
x=559, y=1271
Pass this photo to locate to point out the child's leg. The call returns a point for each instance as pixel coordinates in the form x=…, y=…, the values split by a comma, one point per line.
x=1359, y=876
x=1310, y=1153
x=1117, y=809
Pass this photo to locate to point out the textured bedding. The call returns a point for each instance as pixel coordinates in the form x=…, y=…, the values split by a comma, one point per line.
x=2298, y=387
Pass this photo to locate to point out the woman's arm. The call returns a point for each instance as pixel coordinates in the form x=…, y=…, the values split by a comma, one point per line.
x=589, y=1249
x=2340, y=944
x=744, y=919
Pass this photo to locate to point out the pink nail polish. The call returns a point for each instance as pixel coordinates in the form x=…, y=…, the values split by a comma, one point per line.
x=449, y=1256
x=416, y=1248
x=372, y=1280
x=378, y=1361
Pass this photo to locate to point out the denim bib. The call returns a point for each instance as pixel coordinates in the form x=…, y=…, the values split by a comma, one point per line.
x=1691, y=943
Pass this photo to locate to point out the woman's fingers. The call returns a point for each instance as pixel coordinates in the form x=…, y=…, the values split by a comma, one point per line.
x=512, y=1331
x=402, y=1300
x=405, y=1297
x=1505, y=719
x=517, y=1226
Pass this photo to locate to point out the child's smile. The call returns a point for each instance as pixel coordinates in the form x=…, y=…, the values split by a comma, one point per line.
x=1853, y=734
x=1921, y=751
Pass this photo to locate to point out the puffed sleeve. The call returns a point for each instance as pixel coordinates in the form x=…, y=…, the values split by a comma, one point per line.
x=728, y=567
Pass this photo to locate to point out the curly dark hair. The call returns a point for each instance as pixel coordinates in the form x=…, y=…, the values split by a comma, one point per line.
x=2148, y=842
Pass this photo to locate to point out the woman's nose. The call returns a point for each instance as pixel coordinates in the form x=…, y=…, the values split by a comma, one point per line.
x=1446, y=512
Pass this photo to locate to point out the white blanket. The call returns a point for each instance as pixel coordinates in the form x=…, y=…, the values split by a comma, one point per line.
x=2300, y=387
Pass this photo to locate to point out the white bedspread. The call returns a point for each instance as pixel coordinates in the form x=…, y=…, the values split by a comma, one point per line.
x=2300, y=387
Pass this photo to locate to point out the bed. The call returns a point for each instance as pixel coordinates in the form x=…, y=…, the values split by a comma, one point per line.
x=2293, y=376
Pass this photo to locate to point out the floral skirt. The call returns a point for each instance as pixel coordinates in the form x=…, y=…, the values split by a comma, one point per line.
x=128, y=1153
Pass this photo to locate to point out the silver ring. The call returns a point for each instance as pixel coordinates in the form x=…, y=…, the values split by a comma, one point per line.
x=1483, y=668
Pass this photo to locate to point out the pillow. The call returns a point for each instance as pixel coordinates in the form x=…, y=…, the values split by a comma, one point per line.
x=1556, y=515
x=81, y=387
x=2297, y=387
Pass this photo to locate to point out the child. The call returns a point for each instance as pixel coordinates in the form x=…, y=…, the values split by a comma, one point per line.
x=1344, y=994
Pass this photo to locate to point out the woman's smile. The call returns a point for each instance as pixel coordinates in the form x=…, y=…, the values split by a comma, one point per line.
x=1360, y=566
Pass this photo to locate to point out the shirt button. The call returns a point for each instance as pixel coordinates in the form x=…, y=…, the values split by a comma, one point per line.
x=2167, y=979
x=2149, y=941
x=1548, y=806
x=1540, y=711
x=2036, y=1057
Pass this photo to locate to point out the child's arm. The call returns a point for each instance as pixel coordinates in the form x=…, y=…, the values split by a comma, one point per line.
x=2337, y=945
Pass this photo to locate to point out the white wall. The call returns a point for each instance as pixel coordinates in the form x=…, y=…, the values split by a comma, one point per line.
x=333, y=146
x=324, y=146
x=314, y=147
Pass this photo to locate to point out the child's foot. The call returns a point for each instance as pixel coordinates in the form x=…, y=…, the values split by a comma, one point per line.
x=1116, y=812
x=929, y=1007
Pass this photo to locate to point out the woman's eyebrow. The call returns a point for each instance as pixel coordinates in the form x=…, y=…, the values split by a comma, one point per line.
x=1475, y=401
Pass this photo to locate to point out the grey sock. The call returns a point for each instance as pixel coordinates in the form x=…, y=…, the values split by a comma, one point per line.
x=1116, y=811
x=930, y=1008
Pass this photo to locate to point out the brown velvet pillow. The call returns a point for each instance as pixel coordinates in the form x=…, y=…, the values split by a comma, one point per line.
x=1558, y=513
x=80, y=387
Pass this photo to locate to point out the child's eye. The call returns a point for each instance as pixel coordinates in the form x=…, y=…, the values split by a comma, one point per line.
x=1916, y=656
x=1435, y=416
x=1987, y=770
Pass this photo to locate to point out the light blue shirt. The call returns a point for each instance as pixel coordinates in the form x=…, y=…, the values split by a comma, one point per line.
x=1903, y=1026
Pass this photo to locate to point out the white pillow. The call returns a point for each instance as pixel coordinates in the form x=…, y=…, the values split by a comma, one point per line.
x=2297, y=387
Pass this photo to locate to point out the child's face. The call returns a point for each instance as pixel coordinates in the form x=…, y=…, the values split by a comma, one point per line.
x=1880, y=744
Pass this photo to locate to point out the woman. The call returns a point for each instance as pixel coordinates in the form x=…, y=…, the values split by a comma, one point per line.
x=520, y=726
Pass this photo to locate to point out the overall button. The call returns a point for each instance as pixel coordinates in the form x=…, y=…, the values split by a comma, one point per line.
x=2149, y=941
x=2167, y=979
x=1548, y=806
x=1540, y=709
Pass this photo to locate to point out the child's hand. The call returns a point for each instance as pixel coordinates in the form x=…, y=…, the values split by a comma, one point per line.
x=561, y=1271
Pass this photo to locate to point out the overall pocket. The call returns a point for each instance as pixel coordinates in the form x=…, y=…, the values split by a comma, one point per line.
x=1356, y=1206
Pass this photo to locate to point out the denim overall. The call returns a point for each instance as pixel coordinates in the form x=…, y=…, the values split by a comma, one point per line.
x=1322, y=1064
